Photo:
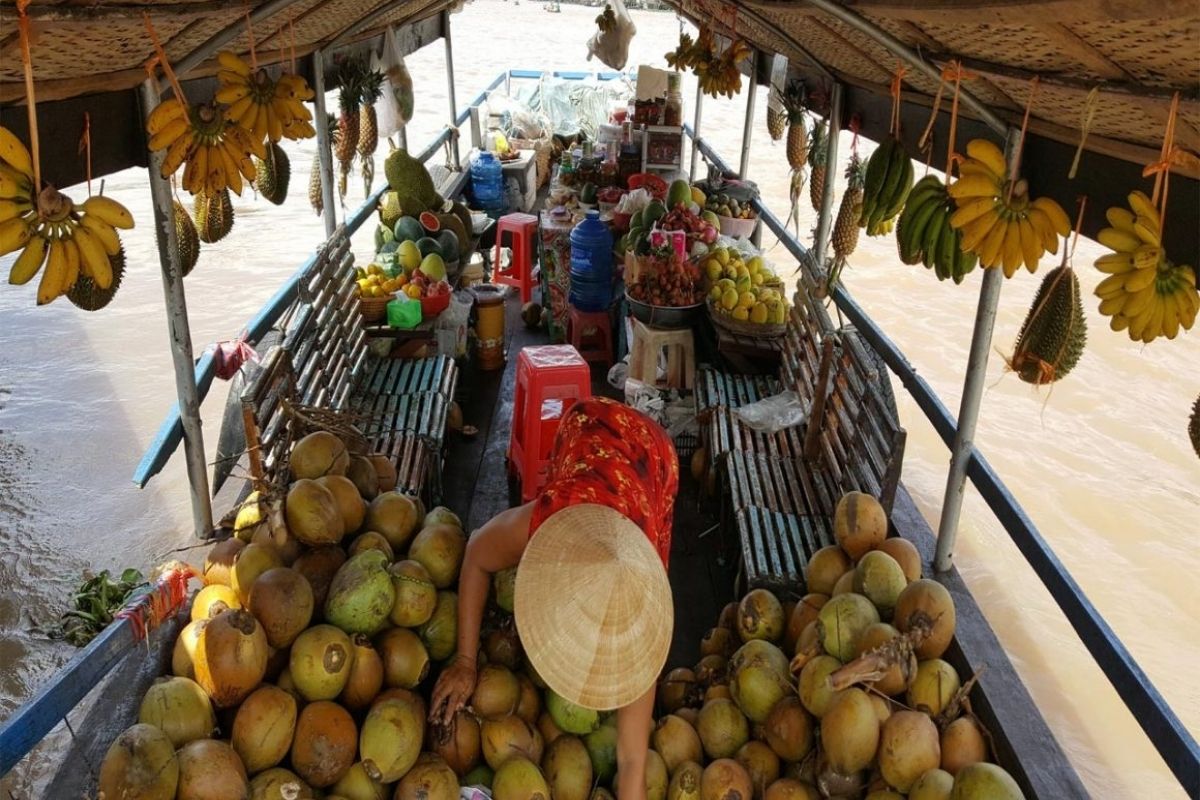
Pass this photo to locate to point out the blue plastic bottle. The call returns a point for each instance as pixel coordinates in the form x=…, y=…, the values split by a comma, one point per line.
x=487, y=185
x=591, y=264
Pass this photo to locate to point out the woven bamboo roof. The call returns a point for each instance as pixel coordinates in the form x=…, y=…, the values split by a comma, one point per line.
x=82, y=48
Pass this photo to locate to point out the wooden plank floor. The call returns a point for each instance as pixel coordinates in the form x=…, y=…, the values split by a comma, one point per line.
x=476, y=487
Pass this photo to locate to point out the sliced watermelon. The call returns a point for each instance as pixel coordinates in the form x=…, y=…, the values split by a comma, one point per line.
x=430, y=222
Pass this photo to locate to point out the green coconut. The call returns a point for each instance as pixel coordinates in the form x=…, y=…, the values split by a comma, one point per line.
x=439, y=548
x=440, y=633
x=602, y=750
x=504, y=583
x=361, y=596
x=179, y=708
x=984, y=781
x=391, y=738
x=880, y=579
x=520, y=779
x=756, y=688
x=569, y=717
x=140, y=765
x=723, y=728
x=568, y=769
x=416, y=596
x=760, y=616
x=842, y=622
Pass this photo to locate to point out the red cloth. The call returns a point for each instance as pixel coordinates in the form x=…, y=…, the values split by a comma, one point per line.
x=607, y=453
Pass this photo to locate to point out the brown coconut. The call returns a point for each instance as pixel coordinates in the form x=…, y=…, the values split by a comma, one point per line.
x=366, y=675
x=850, y=732
x=263, y=728
x=508, y=737
x=140, y=764
x=210, y=770
x=791, y=789
x=219, y=561
x=320, y=661
x=385, y=470
x=312, y=514
x=859, y=524
x=429, y=779
x=318, y=566
x=360, y=782
x=361, y=470
x=984, y=780
x=845, y=584
x=936, y=784
x=804, y=612
x=503, y=646
x=789, y=729
x=762, y=764
x=718, y=642
x=568, y=769
x=440, y=549
x=883, y=707
x=520, y=779
x=685, y=782
x=712, y=670
x=529, y=708
x=676, y=689
x=371, y=540
x=934, y=685
x=825, y=567
x=497, y=693
x=962, y=743
x=212, y=600
x=416, y=596
x=440, y=633
x=711, y=693
x=906, y=555
x=908, y=748
x=282, y=601
x=760, y=616
x=816, y=690
x=657, y=777
x=547, y=728
x=278, y=783
x=677, y=741
x=896, y=679
x=349, y=501
x=320, y=453
x=325, y=742
x=725, y=779
x=180, y=709
x=723, y=728
x=183, y=655
x=460, y=746
x=231, y=657
x=395, y=516
x=405, y=659
x=926, y=602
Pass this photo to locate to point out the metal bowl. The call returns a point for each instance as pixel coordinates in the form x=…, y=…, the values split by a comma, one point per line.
x=670, y=317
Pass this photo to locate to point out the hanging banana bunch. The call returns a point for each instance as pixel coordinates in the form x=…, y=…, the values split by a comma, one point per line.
x=215, y=154
x=265, y=107
x=50, y=230
x=606, y=21
x=717, y=74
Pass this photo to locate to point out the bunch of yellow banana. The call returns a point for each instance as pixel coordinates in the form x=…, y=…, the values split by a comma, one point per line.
x=265, y=107
x=1004, y=229
x=1145, y=293
x=716, y=74
x=49, y=229
x=214, y=152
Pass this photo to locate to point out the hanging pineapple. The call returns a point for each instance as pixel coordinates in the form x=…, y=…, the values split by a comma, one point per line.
x=315, y=196
x=368, y=129
x=817, y=151
x=797, y=135
x=350, y=76
x=845, y=228
x=776, y=117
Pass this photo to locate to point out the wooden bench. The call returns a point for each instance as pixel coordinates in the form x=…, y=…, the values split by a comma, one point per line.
x=783, y=487
x=323, y=362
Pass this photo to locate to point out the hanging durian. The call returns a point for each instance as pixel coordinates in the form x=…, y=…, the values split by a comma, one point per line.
x=274, y=171
x=187, y=238
x=86, y=294
x=1054, y=332
x=214, y=215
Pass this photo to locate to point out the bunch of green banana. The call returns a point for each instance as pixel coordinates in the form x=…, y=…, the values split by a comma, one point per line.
x=1145, y=293
x=924, y=234
x=889, y=179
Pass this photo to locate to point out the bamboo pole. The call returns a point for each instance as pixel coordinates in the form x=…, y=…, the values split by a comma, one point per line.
x=696, y=133
x=450, y=86
x=748, y=127
x=179, y=330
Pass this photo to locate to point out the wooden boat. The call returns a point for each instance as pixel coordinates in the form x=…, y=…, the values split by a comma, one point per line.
x=770, y=539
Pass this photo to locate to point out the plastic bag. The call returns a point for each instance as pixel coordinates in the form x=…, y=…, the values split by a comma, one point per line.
x=451, y=328
x=774, y=413
x=394, y=108
x=612, y=47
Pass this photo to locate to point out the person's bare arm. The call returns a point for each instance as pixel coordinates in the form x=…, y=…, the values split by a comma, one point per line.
x=633, y=741
x=496, y=546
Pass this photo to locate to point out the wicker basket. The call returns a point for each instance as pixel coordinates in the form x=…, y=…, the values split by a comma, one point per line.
x=542, y=150
x=753, y=330
x=374, y=309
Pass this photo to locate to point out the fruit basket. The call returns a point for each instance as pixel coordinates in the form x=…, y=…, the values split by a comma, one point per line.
x=374, y=309
x=755, y=330
x=669, y=317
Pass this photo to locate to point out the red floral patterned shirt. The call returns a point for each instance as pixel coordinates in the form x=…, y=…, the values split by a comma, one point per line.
x=610, y=454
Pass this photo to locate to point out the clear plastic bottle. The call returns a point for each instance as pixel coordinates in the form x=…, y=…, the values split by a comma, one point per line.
x=673, y=108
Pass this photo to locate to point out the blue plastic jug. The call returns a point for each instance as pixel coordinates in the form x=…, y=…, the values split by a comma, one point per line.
x=591, y=264
x=487, y=184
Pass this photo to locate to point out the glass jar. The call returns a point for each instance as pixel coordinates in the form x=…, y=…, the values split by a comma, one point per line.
x=566, y=170
x=673, y=105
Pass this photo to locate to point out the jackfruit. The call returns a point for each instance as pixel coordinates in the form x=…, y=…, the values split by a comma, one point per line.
x=1054, y=332
x=273, y=174
x=409, y=179
x=214, y=215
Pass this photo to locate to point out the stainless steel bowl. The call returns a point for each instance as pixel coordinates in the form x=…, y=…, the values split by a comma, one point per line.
x=671, y=317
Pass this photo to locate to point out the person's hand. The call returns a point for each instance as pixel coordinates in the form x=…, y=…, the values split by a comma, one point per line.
x=453, y=689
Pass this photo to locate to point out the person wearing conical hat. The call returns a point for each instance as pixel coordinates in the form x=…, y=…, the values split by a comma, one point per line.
x=592, y=602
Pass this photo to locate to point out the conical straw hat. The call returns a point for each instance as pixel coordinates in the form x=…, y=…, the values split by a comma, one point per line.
x=593, y=607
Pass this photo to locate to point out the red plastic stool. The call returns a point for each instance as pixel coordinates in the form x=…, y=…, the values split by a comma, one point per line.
x=549, y=380
x=590, y=332
x=522, y=231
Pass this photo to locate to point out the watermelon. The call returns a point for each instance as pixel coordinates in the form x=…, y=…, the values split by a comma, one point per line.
x=427, y=245
x=408, y=229
x=448, y=241
x=390, y=247
x=429, y=221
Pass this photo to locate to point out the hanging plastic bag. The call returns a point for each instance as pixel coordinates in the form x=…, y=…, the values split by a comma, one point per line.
x=612, y=46
x=394, y=108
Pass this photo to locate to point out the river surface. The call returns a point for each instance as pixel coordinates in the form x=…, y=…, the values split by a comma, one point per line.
x=1101, y=463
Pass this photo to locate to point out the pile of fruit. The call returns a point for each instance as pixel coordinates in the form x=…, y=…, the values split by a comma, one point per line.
x=874, y=711
x=667, y=280
x=725, y=206
x=683, y=211
x=743, y=289
x=375, y=282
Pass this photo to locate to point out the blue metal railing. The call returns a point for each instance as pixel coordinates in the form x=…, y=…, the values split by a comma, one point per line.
x=1164, y=729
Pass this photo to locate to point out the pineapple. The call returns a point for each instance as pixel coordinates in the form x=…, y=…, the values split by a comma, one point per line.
x=776, y=118
x=368, y=133
x=817, y=144
x=845, y=228
x=797, y=135
x=315, y=198
x=350, y=77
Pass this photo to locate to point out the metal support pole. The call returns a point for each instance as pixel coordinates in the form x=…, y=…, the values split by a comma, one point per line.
x=450, y=85
x=403, y=135
x=825, y=215
x=324, y=152
x=749, y=127
x=968, y=412
x=696, y=133
x=179, y=330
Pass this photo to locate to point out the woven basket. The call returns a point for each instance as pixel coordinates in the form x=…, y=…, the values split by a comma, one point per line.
x=752, y=329
x=374, y=309
x=542, y=150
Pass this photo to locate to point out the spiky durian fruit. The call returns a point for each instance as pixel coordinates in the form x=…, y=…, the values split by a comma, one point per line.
x=273, y=174
x=87, y=295
x=214, y=215
x=1054, y=332
x=187, y=238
